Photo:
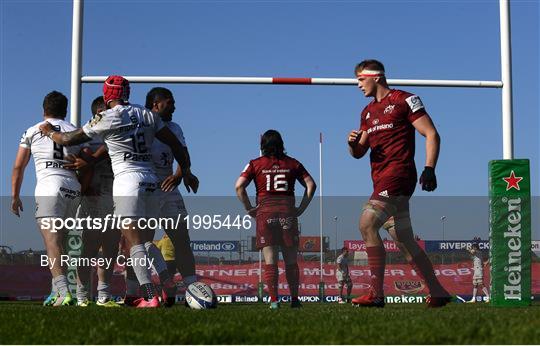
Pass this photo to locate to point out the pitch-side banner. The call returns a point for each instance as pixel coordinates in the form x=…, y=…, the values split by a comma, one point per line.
x=33, y=282
x=360, y=245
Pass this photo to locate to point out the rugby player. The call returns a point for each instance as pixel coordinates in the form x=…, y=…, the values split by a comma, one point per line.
x=275, y=174
x=478, y=272
x=387, y=129
x=342, y=275
x=97, y=202
x=128, y=131
x=57, y=189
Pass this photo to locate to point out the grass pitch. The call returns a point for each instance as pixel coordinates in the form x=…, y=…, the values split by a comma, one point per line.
x=30, y=323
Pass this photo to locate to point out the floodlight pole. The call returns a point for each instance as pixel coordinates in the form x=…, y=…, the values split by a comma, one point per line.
x=506, y=77
x=76, y=62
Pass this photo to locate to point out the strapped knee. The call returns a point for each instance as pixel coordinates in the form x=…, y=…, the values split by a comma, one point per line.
x=381, y=213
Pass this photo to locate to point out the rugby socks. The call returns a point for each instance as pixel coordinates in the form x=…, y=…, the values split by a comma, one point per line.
x=377, y=262
x=82, y=292
x=474, y=294
x=103, y=290
x=486, y=293
x=138, y=254
x=271, y=277
x=293, y=277
x=61, y=285
x=425, y=270
x=132, y=285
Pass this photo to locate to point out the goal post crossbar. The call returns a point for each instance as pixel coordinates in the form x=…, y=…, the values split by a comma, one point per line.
x=296, y=81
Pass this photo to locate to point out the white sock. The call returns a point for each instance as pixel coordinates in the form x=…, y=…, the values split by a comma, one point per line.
x=139, y=255
x=82, y=292
x=103, y=290
x=61, y=285
x=486, y=293
x=474, y=293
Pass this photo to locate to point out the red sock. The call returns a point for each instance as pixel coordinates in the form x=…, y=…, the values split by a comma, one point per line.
x=293, y=277
x=376, y=262
x=425, y=270
x=271, y=274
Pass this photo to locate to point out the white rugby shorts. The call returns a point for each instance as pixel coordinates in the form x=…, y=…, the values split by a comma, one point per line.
x=57, y=196
x=136, y=195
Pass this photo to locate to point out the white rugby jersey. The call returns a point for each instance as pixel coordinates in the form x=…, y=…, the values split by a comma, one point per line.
x=49, y=157
x=128, y=130
x=343, y=264
x=162, y=153
x=478, y=265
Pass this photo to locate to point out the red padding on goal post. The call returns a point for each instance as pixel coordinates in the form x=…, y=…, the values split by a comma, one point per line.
x=279, y=80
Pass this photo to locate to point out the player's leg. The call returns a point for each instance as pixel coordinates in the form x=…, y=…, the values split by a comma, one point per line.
x=91, y=240
x=109, y=249
x=292, y=272
x=53, y=241
x=485, y=290
x=374, y=214
x=184, y=258
x=349, y=284
x=271, y=273
x=341, y=283
x=474, y=292
x=389, y=226
x=404, y=232
x=132, y=194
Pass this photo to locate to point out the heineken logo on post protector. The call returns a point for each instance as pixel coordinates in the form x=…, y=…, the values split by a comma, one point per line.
x=512, y=182
x=512, y=286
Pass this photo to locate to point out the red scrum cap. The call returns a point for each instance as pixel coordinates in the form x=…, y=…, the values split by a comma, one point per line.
x=115, y=88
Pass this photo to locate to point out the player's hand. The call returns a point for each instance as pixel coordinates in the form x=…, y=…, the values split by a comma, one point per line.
x=253, y=211
x=46, y=128
x=428, y=180
x=171, y=182
x=16, y=204
x=354, y=137
x=191, y=182
x=77, y=163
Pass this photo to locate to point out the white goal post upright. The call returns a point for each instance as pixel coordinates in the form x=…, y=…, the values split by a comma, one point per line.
x=505, y=83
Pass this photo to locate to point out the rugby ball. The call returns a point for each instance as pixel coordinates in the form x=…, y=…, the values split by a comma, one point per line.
x=200, y=296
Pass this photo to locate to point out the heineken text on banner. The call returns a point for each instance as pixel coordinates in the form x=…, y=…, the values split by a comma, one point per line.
x=510, y=232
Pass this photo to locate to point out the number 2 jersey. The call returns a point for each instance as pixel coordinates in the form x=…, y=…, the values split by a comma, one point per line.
x=128, y=130
x=274, y=181
x=49, y=157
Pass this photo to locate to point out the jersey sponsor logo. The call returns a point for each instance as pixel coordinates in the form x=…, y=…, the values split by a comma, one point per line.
x=375, y=121
x=137, y=157
x=414, y=103
x=384, y=193
x=380, y=127
x=389, y=109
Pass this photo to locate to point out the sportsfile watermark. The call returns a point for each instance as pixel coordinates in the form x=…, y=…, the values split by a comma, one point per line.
x=113, y=221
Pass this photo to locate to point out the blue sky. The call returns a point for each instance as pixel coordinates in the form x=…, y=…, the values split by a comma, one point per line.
x=222, y=123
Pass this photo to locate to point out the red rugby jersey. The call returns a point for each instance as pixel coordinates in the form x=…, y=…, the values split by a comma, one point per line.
x=391, y=133
x=274, y=180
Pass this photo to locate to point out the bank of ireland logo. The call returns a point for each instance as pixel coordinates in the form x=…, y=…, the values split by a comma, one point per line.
x=512, y=182
x=227, y=246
